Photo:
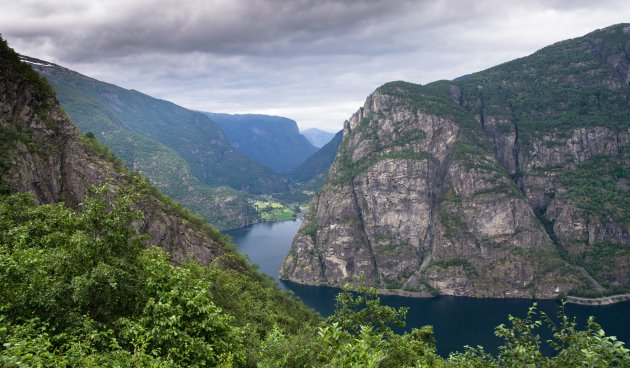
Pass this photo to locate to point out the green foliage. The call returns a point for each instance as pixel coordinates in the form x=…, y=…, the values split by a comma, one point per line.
x=60, y=265
x=274, y=211
x=80, y=289
x=358, y=334
x=600, y=187
x=522, y=345
x=180, y=320
x=42, y=90
x=361, y=307
x=456, y=262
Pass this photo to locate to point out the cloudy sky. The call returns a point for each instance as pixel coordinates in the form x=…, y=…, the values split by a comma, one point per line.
x=314, y=61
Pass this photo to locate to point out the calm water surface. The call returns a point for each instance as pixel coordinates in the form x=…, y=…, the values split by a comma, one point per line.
x=457, y=321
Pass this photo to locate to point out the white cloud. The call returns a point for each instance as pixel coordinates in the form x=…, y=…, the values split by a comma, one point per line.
x=310, y=60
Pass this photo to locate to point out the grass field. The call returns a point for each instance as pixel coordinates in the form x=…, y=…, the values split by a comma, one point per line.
x=273, y=211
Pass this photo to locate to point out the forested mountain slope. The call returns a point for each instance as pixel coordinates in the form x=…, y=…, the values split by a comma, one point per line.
x=182, y=152
x=510, y=182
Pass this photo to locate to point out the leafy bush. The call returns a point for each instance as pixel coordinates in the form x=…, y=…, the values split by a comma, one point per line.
x=78, y=288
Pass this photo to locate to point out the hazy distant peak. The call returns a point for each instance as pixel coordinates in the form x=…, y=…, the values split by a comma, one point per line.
x=318, y=137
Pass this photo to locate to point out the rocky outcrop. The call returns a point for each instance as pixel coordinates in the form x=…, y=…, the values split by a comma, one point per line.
x=43, y=153
x=512, y=182
x=419, y=217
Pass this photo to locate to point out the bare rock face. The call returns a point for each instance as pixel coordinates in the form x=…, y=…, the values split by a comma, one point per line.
x=43, y=153
x=421, y=216
x=512, y=182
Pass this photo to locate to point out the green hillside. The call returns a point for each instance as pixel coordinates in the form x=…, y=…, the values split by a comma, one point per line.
x=125, y=121
x=197, y=139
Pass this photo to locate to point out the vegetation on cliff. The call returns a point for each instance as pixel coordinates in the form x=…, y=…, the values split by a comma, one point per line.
x=79, y=289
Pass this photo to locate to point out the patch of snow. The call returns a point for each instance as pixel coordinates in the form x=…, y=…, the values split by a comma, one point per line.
x=34, y=63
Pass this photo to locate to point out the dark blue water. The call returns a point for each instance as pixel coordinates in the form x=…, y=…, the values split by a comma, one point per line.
x=456, y=321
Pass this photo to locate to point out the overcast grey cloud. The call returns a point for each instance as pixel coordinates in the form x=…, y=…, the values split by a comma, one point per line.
x=311, y=60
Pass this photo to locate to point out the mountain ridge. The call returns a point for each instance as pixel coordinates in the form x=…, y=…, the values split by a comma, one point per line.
x=490, y=185
x=45, y=154
x=100, y=108
x=273, y=141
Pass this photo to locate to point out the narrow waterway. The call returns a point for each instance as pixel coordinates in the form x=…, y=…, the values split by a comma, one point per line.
x=457, y=321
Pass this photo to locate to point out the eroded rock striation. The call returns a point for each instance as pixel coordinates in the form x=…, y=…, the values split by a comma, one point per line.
x=511, y=182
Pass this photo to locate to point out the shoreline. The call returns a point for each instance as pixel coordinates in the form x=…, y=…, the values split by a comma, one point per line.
x=601, y=301
x=604, y=300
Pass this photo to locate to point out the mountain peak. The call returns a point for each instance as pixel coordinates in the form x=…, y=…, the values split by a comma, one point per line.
x=504, y=183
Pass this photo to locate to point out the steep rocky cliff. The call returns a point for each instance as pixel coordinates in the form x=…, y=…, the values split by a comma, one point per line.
x=43, y=153
x=511, y=182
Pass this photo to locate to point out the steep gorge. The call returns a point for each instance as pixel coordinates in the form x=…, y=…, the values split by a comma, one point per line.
x=511, y=182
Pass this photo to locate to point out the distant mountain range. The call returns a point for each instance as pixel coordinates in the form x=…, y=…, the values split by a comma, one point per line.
x=317, y=137
x=210, y=162
x=314, y=170
x=273, y=141
x=183, y=152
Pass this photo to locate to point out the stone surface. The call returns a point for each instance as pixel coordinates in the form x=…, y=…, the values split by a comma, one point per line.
x=465, y=187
